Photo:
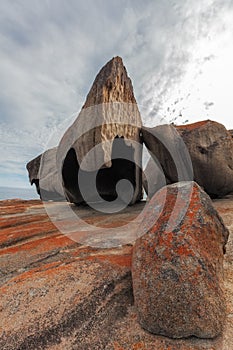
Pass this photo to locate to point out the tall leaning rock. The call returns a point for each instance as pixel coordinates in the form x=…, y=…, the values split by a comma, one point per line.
x=102, y=146
x=177, y=265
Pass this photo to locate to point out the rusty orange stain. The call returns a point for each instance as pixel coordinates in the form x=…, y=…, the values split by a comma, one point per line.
x=192, y=126
x=121, y=260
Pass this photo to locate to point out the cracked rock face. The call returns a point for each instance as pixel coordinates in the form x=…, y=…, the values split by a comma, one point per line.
x=177, y=269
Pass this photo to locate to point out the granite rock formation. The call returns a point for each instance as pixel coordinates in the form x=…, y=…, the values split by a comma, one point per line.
x=153, y=178
x=104, y=146
x=109, y=118
x=43, y=173
x=57, y=294
x=103, y=143
x=211, y=150
x=170, y=161
x=177, y=265
x=209, y=146
x=33, y=168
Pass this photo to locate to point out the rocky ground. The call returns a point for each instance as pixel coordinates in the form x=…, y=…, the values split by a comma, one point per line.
x=60, y=294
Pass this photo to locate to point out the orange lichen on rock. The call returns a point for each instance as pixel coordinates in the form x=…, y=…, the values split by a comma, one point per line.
x=124, y=260
x=18, y=235
x=192, y=126
x=181, y=273
x=16, y=206
x=62, y=295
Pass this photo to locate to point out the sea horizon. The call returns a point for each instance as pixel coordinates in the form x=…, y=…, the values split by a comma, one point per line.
x=18, y=193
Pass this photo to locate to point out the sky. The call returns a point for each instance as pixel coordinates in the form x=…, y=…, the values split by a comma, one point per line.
x=178, y=54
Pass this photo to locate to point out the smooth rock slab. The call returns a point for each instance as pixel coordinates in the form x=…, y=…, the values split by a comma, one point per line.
x=31, y=248
x=177, y=268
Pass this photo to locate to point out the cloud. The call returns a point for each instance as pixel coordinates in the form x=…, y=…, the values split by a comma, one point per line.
x=181, y=42
x=51, y=50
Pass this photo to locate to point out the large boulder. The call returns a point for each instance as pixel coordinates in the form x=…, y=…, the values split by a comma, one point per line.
x=211, y=149
x=103, y=144
x=177, y=265
x=209, y=146
x=102, y=147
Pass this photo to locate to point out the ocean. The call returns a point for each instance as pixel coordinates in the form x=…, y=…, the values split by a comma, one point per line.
x=22, y=193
